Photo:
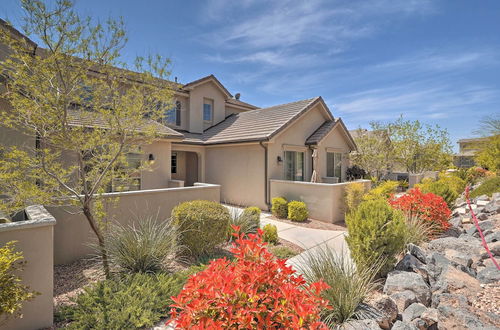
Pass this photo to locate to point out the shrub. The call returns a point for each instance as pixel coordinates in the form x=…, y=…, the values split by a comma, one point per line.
x=355, y=172
x=475, y=174
x=247, y=220
x=442, y=189
x=297, y=211
x=353, y=196
x=130, y=302
x=201, y=225
x=282, y=252
x=279, y=207
x=256, y=291
x=148, y=245
x=375, y=231
x=12, y=292
x=348, y=286
x=417, y=230
x=454, y=182
x=383, y=190
x=488, y=187
x=270, y=234
x=428, y=207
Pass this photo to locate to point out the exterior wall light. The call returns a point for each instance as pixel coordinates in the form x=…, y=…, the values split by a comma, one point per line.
x=151, y=158
x=280, y=160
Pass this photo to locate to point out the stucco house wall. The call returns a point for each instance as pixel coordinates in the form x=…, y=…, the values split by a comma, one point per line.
x=158, y=174
x=335, y=141
x=197, y=95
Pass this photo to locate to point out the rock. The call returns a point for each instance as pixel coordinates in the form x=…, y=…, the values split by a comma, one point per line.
x=420, y=324
x=488, y=262
x=482, y=216
x=411, y=264
x=398, y=281
x=388, y=311
x=417, y=252
x=443, y=299
x=494, y=237
x=482, y=202
x=458, y=257
x=495, y=196
x=484, y=225
x=400, y=325
x=452, y=279
x=492, y=207
x=430, y=316
x=465, y=244
x=459, y=211
x=367, y=324
x=494, y=248
x=404, y=299
x=456, y=222
x=466, y=220
x=482, y=198
x=413, y=311
x=458, y=316
x=489, y=275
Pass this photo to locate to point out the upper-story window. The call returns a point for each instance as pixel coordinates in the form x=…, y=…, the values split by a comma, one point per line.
x=173, y=115
x=208, y=109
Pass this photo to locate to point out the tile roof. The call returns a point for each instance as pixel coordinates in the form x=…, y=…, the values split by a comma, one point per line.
x=241, y=103
x=254, y=125
x=209, y=77
x=321, y=132
x=91, y=119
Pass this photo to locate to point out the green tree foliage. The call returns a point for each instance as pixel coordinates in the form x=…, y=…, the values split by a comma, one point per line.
x=374, y=153
x=375, y=231
x=75, y=75
x=12, y=292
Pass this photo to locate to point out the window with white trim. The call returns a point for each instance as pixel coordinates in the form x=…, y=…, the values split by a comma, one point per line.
x=334, y=164
x=294, y=165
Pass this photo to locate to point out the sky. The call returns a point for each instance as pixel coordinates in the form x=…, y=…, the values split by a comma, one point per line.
x=436, y=61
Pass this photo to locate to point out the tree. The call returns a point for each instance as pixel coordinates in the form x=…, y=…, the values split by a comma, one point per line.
x=419, y=147
x=86, y=112
x=488, y=154
x=374, y=153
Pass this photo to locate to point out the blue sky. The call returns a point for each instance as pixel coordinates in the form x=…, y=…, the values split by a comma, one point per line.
x=436, y=61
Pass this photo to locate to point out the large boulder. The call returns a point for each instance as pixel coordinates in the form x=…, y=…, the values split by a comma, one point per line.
x=489, y=275
x=398, y=281
x=413, y=311
x=465, y=244
x=388, y=311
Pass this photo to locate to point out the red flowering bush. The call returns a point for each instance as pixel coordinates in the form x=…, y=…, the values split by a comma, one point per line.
x=428, y=207
x=255, y=291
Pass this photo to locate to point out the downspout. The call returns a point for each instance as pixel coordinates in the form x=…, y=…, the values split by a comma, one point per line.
x=266, y=191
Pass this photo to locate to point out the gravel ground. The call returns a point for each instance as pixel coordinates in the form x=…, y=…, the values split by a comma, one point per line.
x=488, y=301
x=314, y=224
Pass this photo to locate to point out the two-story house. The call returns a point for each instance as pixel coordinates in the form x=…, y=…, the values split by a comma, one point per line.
x=467, y=149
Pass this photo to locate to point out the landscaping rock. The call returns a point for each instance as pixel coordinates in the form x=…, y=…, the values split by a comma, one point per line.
x=398, y=281
x=493, y=237
x=484, y=225
x=458, y=257
x=489, y=275
x=413, y=311
x=453, y=317
x=367, y=324
x=411, y=264
x=420, y=324
x=465, y=244
x=430, y=316
x=404, y=299
x=417, y=252
x=456, y=222
x=388, y=311
x=452, y=279
x=400, y=325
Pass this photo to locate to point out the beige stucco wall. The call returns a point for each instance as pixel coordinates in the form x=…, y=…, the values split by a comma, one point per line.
x=200, y=152
x=184, y=112
x=324, y=201
x=335, y=141
x=231, y=110
x=73, y=234
x=10, y=137
x=196, y=96
x=239, y=169
x=35, y=240
x=158, y=174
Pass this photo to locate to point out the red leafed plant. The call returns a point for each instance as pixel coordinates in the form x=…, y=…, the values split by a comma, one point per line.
x=428, y=207
x=255, y=291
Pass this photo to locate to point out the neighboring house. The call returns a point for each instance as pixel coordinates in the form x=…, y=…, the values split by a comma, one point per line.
x=467, y=149
x=212, y=136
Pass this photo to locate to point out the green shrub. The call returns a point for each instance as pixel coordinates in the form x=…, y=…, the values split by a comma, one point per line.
x=375, y=231
x=348, y=286
x=417, y=230
x=282, y=252
x=442, y=189
x=133, y=301
x=148, y=245
x=12, y=292
x=454, y=182
x=270, y=234
x=488, y=187
x=279, y=207
x=297, y=211
x=202, y=225
x=353, y=196
x=248, y=220
x=383, y=190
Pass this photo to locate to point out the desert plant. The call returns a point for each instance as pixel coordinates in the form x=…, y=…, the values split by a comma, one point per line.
x=12, y=292
x=488, y=187
x=282, y=252
x=417, y=230
x=148, y=245
x=297, y=211
x=349, y=286
x=428, y=207
x=375, y=231
x=454, y=182
x=202, y=225
x=383, y=190
x=248, y=220
x=279, y=207
x=353, y=196
x=256, y=291
x=441, y=188
x=128, y=302
x=475, y=174
x=270, y=234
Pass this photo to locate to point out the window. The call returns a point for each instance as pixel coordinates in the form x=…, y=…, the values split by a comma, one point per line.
x=173, y=115
x=207, y=111
x=334, y=164
x=294, y=166
x=173, y=165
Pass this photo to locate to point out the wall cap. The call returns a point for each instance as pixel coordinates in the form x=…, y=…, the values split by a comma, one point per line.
x=37, y=215
x=318, y=184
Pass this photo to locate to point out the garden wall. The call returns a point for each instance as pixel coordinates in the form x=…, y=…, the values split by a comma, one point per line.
x=72, y=235
x=34, y=238
x=324, y=201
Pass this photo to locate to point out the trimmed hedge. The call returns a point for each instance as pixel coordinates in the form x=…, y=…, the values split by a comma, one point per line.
x=270, y=234
x=297, y=211
x=279, y=207
x=202, y=225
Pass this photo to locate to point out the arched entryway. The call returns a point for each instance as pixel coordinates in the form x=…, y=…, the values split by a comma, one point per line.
x=185, y=167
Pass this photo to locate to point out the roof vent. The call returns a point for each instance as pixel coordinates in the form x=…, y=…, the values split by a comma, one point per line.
x=237, y=96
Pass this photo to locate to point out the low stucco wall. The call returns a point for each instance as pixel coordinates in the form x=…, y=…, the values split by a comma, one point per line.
x=34, y=239
x=72, y=235
x=324, y=201
x=413, y=179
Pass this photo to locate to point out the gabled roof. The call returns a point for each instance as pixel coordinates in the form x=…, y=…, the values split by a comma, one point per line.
x=256, y=125
x=326, y=128
x=206, y=79
x=241, y=104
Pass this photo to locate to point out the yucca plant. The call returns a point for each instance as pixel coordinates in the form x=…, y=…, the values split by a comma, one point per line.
x=349, y=285
x=417, y=230
x=147, y=246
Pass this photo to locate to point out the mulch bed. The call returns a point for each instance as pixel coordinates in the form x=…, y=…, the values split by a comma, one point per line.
x=314, y=224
